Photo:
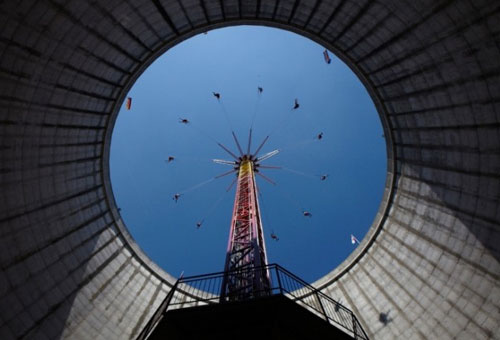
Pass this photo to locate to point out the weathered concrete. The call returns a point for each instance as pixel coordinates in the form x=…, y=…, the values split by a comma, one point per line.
x=430, y=265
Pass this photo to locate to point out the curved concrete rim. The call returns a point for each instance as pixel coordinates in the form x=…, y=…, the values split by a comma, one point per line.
x=335, y=273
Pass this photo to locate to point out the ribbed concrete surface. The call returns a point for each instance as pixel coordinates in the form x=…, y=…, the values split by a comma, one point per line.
x=431, y=261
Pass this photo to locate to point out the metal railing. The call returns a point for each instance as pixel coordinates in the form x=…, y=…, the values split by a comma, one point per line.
x=206, y=289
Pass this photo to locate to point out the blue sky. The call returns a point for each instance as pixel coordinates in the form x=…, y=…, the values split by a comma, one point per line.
x=234, y=62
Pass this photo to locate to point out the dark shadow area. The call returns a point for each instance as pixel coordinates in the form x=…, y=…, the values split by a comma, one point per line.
x=43, y=282
x=460, y=194
x=384, y=318
x=275, y=317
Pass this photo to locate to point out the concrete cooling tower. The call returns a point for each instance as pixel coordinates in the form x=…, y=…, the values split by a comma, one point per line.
x=429, y=265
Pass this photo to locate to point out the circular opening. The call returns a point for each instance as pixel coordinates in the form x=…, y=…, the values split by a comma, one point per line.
x=234, y=62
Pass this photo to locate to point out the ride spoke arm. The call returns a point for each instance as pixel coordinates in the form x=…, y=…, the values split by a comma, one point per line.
x=232, y=184
x=267, y=155
x=269, y=167
x=249, y=141
x=260, y=146
x=266, y=178
x=237, y=144
x=223, y=161
x=228, y=151
x=226, y=173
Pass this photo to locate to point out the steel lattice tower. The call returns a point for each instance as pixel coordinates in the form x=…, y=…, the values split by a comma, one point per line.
x=246, y=250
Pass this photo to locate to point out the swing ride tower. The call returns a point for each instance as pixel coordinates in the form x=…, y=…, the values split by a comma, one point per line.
x=245, y=273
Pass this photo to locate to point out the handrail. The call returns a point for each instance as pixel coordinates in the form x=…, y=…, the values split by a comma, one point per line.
x=158, y=314
x=356, y=326
x=206, y=289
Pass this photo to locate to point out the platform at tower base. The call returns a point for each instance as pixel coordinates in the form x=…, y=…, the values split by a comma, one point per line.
x=273, y=317
x=288, y=308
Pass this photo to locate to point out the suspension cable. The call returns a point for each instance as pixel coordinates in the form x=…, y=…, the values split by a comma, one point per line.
x=259, y=95
x=300, y=173
x=297, y=144
x=282, y=123
x=199, y=185
x=223, y=107
x=213, y=207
